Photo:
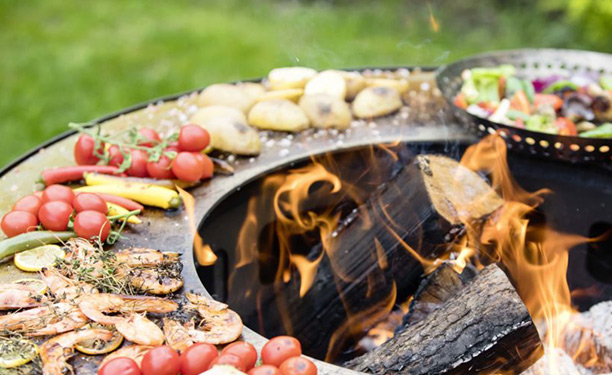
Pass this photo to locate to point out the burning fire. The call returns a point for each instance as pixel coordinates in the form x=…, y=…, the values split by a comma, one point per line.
x=534, y=256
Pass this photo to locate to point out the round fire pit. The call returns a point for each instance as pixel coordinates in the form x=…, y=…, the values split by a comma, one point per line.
x=425, y=124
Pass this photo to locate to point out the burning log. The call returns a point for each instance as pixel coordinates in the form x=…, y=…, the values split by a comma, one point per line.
x=437, y=288
x=483, y=329
x=378, y=253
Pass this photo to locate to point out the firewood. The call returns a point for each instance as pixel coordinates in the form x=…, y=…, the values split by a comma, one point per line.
x=437, y=288
x=417, y=213
x=483, y=329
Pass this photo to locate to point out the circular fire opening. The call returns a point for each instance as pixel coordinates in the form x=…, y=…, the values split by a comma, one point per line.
x=252, y=288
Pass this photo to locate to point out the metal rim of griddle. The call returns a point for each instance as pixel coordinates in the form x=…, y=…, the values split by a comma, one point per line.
x=532, y=63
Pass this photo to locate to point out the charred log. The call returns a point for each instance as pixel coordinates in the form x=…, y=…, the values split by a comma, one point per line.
x=375, y=250
x=435, y=289
x=483, y=329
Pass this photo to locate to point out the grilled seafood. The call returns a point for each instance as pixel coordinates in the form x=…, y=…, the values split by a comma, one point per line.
x=142, y=257
x=63, y=287
x=56, y=352
x=16, y=296
x=135, y=352
x=150, y=271
x=140, y=330
x=215, y=324
x=45, y=320
x=134, y=327
x=95, y=305
x=177, y=334
x=163, y=279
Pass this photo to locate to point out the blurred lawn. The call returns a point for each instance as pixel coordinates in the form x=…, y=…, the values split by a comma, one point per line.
x=65, y=61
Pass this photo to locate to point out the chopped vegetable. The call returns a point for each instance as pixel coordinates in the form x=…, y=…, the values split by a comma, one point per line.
x=565, y=126
x=542, y=124
x=606, y=82
x=603, y=131
x=146, y=194
x=561, y=86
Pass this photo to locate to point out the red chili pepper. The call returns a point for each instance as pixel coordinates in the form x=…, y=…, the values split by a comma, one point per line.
x=123, y=202
x=67, y=174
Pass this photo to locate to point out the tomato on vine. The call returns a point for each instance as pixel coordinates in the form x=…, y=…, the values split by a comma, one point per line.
x=90, y=224
x=188, y=166
x=148, y=137
x=89, y=201
x=29, y=203
x=85, y=152
x=55, y=215
x=17, y=222
x=138, y=163
x=58, y=193
x=193, y=138
x=161, y=169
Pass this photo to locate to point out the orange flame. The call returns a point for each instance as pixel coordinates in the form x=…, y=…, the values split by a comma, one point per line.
x=204, y=254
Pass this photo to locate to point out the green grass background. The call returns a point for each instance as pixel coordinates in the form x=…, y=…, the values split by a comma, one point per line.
x=69, y=60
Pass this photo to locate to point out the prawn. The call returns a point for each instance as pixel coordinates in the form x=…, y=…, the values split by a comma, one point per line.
x=45, y=320
x=56, y=351
x=16, y=296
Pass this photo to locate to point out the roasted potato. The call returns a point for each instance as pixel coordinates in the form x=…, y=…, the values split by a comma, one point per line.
x=227, y=95
x=289, y=78
x=355, y=82
x=326, y=111
x=401, y=85
x=252, y=89
x=228, y=130
x=203, y=115
x=328, y=82
x=289, y=94
x=278, y=114
x=376, y=101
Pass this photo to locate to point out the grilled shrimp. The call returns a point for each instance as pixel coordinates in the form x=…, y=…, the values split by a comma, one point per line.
x=56, y=352
x=150, y=271
x=141, y=257
x=140, y=330
x=164, y=279
x=135, y=352
x=45, y=320
x=219, y=324
x=95, y=305
x=16, y=296
x=64, y=288
x=177, y=334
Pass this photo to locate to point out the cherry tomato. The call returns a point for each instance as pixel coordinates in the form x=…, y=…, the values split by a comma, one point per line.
x=298, y=366
x=115, y=156
x=209, y=167
x=90, y=224
x=58, y=193
x=193, y=138
x=230, y=360
x=138, y=166
x=89, y=201
x=149, y=137
x=17, y=222
x=243, y=350
x=265, y=370
x=120, y=366
x=161, y=169
x=55, y=215
x=187, y=166
x=279, y=349
x=84, y=150
x=162, y=360
x=29, y=203
x=197, y=358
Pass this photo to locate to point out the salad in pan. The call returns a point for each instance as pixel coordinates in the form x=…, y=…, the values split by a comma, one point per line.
x=576, y=105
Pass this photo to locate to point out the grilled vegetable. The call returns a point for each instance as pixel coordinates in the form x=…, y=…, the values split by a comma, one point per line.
x=67, y=174
x=123, y=202
x=31, y=240
x=603, y=131
x=147, y=194
x=116, y=210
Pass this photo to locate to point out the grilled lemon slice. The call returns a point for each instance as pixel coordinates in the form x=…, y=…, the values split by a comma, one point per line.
x=38, y=258
x=97, y=346
x=16, y=352
x=37, y=284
